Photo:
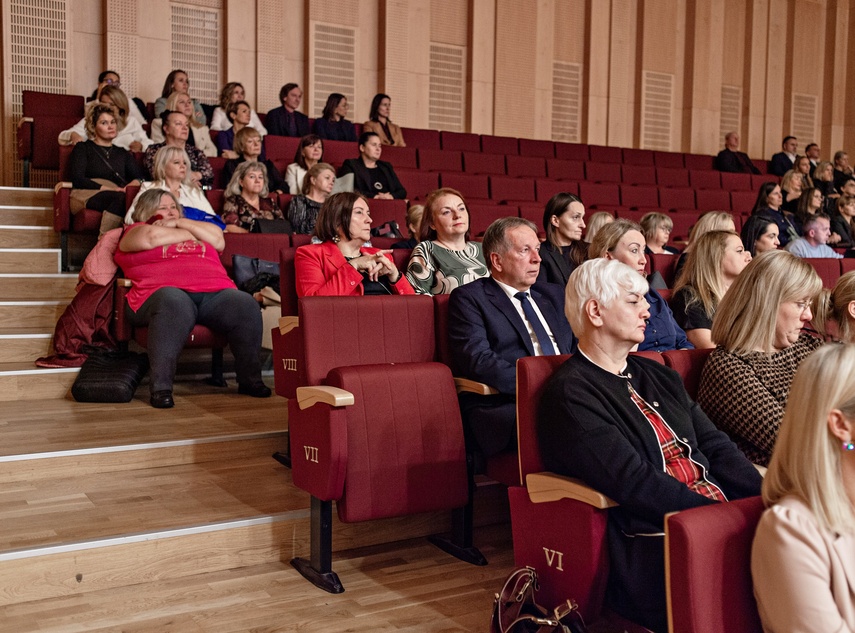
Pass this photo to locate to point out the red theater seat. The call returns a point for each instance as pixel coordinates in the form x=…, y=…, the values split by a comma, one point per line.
x=599, y=195
x=548, y=188
x=604, y=154
x=676, y=198
x=559, y=169
x=482, y=215
x=477, y=163
x=665, y=265
x=543, y=149
x=526, y=166
x=638, y=157
x=704, y=179
x=463, y=142
x=572, y=151
x=281, y=147
x=712, y=200
x=828, y=269
x=758, y=179
x=472, y=186
x=736, y=182
x=421, y=139
x=742, y=202
x=400, y=157
x=602, y=172
x=689, y=363
x=440, y=160
x=418, y=183
x=639, y=174
x=672, y=176
x=640, y=197
x=673, y=160
x=698, y=161
x=499, y=145
x=44, y=116
x=336, y=152
x=683, y=223
x=505, y=188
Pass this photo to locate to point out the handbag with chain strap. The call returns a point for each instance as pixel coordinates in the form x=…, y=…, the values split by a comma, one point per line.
x=516, y=611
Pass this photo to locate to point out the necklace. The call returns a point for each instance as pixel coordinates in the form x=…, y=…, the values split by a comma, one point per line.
x=106, y=149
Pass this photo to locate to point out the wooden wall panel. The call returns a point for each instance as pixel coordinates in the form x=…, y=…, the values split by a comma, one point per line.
x=516, y=50
x=623, y=74
x=480, y=86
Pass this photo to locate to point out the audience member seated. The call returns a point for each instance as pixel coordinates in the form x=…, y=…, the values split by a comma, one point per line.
x=626, y=426
x=130, y=135
x=842, y=222
x=835, y=313
x=178, y=81
x=172, y=173
x=709, y=221
x=791, y=190
x=414, y=222
x=232, y=93
x=176, y=131
x=332, y=124
x=715, y=263
x=810, y=203
x=783, y=161
x=731, y=159
x=564, y=248
x=494, y=321
x=99, y=171
x=597, y=221
x=758, y=331
x=239, y=114
x=309, y=153
x=842, y=170
x=247, y=200
x=198, y=134
x=848, y=187
x=823, y=179
x=379, y=123
x=804, y=167
x=178, y=282
x=317, y=187
x=812, y=152
x=817, y=230
x=111, y=78
x=445, y=258
x=657, y=228
x=342, y=265
x=286, y=120
x=372, y=177
x=247, y=146
x=759, y=235
x=803, y=556
x=622, y=240
x=768, y=204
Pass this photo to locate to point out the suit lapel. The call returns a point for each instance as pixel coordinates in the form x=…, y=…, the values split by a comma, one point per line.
x=506, y=308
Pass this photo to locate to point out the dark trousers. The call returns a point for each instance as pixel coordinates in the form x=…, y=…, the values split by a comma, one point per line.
x=109, y=202
x=489, y=422
x=171, y=313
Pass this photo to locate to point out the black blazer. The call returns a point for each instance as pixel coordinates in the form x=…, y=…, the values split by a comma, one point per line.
x=780, y=164
x=556, y=266
x=362, y=180
x=734, y=162
x=276, y=122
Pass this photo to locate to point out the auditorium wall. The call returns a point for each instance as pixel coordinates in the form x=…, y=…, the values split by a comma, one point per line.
x=659, y=74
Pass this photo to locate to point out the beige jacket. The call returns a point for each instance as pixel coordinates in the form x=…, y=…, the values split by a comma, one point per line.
x=397, y=136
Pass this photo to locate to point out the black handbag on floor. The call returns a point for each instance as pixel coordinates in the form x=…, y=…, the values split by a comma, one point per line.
x=515, y=610
x=109, y=376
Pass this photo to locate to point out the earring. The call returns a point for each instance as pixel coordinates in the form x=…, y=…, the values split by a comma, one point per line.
x=848, y=446
x=336, y=239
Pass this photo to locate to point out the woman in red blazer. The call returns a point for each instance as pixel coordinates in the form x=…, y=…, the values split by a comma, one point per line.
x=341, y=265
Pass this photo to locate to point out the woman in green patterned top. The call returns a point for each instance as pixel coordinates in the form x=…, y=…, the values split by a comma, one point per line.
x=445, y=258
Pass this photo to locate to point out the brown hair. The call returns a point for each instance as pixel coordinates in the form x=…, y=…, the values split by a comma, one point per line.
x=314, y=172
x=95, y=113
x=335, y=214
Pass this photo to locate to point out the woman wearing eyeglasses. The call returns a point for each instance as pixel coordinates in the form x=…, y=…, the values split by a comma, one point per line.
x=758, y=330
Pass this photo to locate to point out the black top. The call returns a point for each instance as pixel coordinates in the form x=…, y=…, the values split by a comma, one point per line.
x=689, y=316
x=558, y=264
x=735, y=162
x=280, y=122
x=341, y=130
x=89, y=160
x=366, y=181
x=843, y=228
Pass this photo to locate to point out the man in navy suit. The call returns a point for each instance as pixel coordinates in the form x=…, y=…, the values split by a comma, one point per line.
x=286, y=120
x=782, y=162
x=495, y=320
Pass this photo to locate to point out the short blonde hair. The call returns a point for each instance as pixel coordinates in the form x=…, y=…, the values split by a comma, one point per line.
x=608, y=236
x=234, y=188
x=747, y=315
x=164, y=155
x=146, y=204
x=806, y=459
x=652, y=222
x=602, y=280
x=242, y=137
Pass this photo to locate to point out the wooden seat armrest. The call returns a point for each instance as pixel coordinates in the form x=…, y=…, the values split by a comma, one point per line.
x=464, y=385
x=124, y=283
x=288, y=323
x=62, y=184
x=333, y=396
x=546, y=487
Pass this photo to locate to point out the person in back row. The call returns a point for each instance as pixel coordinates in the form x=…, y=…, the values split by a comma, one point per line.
x=783, y=161
x=286, y=120
x=372, y=177
x=816, y=232
x=333, y=125
x=731, y=159
x=176, y=131
x=379, y=122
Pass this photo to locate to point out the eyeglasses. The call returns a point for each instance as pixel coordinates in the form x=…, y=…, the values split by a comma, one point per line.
x=113, y=82
x=803, y=306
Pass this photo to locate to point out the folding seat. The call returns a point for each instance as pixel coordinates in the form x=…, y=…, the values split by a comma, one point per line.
x=698, y=161
x=665, y=265
x=440, y=160
x=400, y=157
x=761, y=165
x=847, y=264
x=500, y=145
x=472, y=186
x=559, y=169
x=758, y=179
x=602, y=172
x=572, y=151
x=261, y=245
x=483, y=215
x=526, y=166
x=383, y=211
x=639, y=197
x=336, y=152
x=599, y=195
x=633, y=215
x=545, y=189
x=604, y=154
x=637, y=157
x=704, y=179
x=216, y=197
x=44, y=116
x=417, y=183
x=683, y=223
x=689, y=363
x=357, y=437
x=218, y=164
x=421, y=139
x=735, y=182
x=477, y=163
x=505, y=188
x=281, y=147
x=828, y=269
x=676, y=198
x=712, y=200
x=638, y=174
x=708, y=567
x=543, y=149
x=671, y=160
x=533, y=212
x=460, y=141
x=672, y=176
x=742, y=202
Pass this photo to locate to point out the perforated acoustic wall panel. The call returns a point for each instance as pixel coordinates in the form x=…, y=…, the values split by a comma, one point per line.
x=731, y=110
x=447, y=87
x=271, y=53
x=804, y=117
x=38, y=47
x=196, y=46
x=122, y=42
x=566, y=101
x=397, y=57
x=656, y=102
x=332, y=64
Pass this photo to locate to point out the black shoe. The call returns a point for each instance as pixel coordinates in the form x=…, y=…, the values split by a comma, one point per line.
x=256, y=390
x=162, y=399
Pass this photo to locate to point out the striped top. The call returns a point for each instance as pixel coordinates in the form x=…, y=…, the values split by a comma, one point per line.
x=435, y=270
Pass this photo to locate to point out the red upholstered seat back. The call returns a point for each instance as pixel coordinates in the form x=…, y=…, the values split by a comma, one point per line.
x=343, y=331
x=827, y=268
x=51, y=114
x=405, y=449
x=261, y=245
x=440, y=312
x=689, y=363
x=665, y=265
x=708, y=551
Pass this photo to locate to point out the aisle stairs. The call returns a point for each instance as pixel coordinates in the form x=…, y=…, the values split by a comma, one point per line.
x=101, y=496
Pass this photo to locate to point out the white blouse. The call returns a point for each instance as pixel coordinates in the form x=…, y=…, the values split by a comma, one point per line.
x=220, y=121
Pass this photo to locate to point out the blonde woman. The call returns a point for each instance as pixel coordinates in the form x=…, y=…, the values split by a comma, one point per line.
x=714, y=264
x=791, y=189
x=597, y=221
x=803, y=557
x=247, y=199
x=231, y=93
x=129, y=136
x=709, y=221
x=760, y=344
x=199, y=133
x=657, y=229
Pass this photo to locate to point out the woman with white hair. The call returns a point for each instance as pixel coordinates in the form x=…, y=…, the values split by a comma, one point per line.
x=626, y=426
x=803, y=558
